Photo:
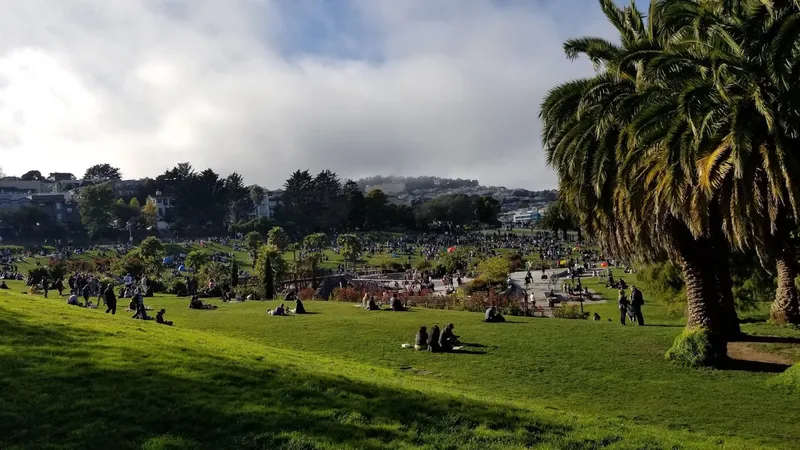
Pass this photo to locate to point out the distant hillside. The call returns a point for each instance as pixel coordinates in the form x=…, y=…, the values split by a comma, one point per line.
x=415, y=183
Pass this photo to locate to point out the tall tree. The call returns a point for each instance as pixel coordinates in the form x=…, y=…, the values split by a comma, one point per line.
x=329, y=201
x=297, y=208
x=487, y=210
x=102, y=172
x=239, y=199
x=234, y=274
x=355, y=205
x=96, y=206
x=258, y=194
x=350, y=248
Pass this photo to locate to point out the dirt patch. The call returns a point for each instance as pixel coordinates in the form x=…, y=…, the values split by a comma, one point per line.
x=750, y=352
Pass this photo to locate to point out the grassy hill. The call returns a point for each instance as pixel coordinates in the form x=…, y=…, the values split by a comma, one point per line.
x=237, y=378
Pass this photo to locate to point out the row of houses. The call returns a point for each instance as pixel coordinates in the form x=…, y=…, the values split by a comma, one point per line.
x=60, y=199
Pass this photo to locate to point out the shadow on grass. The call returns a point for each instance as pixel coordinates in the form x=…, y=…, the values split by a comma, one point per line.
x=768, y=339
x=76, y=388
x=662, y=325
x=753, y=366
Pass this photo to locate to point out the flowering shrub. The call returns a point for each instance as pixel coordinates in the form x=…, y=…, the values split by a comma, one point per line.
x=347, y=294
x=569, y=311
x=307, y=294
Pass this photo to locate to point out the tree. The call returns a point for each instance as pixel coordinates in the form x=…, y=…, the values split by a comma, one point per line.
x=134, y=203
x=61, y=176
x=102, y=172
x=314, y=244
x=152, y=252
x=355, y=205
x=494, y=270
x=96, y=207
x=234, y=273
x=239, y=198
x=124, y=213
x=278, y=238
x=375, y=209
x=32, y=175
x=257, y=195
x=487, y=209
x=253, y=241
x=196, y=259
x=350, y=248
x=150, y=214
x=270, y=267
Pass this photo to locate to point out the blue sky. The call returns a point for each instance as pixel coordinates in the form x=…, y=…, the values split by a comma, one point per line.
x=264, y=87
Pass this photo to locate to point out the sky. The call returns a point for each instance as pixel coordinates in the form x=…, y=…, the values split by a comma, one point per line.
x=447, y=88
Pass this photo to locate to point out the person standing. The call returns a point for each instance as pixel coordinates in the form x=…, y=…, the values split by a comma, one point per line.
x=110, y=299
x=623, y=303
x=45, y=286
x=637, y=301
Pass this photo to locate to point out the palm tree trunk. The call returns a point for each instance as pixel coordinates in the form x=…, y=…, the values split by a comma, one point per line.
x=786, y=306
x=722, y=274
x=703, y=306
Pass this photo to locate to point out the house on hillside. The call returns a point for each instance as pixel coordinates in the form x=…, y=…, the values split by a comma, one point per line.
x=164, y=204
x=14, y=200
x=127, y=189
x=30, y=187
x=59, y=206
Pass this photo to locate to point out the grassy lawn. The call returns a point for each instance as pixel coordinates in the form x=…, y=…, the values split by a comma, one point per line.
x=237, y=378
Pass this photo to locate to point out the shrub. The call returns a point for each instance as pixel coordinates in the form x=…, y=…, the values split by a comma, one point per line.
x=515, y=261
x=56, y=269
x=697, y=347
x=424, y=265
x=569, y=311
x=347, y=294
x=252, y=290
x=494, y=270
x=80, y=265
x=790, y=379
x=307, y=294
x=157, y=285
x=177, y=286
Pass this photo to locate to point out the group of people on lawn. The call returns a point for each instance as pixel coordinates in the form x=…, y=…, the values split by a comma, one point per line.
x=437, y=341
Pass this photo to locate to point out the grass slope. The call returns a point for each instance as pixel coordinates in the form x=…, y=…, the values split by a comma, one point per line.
x=236, y=378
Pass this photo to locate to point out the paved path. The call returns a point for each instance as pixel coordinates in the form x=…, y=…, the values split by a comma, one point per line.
x=540, y=288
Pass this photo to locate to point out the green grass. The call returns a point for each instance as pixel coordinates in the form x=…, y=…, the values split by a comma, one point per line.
x=237, y=378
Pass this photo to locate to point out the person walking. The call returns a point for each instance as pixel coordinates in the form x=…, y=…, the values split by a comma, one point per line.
x=637, y=301
x=110, y=299
x=623, y=303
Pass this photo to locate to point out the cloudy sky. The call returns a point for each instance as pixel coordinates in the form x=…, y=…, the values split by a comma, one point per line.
x=264, y=87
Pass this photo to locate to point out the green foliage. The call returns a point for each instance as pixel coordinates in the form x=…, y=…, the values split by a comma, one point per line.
x=234, y=273
x=253, y=240
x=663, y=282
x=151, y=248
x=278, y=238
x=569, y=311
x=267, y=277
x=102, y=172
x=253, y=290
x=494, y=270
x=134, y=203
x=196, y=259
x=350, y=246
x=424, y=265
x=697, y=347
x=452, y=261
x=37, y=274
x=131, y=264
x=789, y=379
x=97, y=208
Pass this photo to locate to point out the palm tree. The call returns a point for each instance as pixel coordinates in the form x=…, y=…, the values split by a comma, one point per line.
x=625, y=165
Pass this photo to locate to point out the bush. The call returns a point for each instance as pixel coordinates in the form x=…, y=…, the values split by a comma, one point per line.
x=494, y=270
x=347, y=294
x=307, y=294
x=664, y=282
x=568, y=311
x=56, y=269
x=515, y=261
x=157, y=285
x=246, y=290
x=697, y=347
x=424, y=265
x=790, y=379
x=80, y=265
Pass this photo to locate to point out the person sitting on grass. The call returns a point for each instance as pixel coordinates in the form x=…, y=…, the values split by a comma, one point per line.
x=433, y=340
x=196, y=303
x=493, y=316
x=160, y=318
x=421, y=342
x=396, y=304
x=371, y=305
x=448, y=340
x=73, y=300
x=279, y=311
x=3, y=285
x=299, y=308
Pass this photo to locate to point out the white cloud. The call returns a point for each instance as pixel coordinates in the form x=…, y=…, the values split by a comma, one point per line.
x=453, y=90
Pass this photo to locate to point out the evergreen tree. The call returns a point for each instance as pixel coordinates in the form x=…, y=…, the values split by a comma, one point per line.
x=234, y=274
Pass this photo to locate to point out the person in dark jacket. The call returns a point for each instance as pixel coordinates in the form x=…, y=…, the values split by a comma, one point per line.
x=87, y=292
x=396, y=304
x=45, y=286
x=493, y=316
x=637, y=301
x=448, y=340
x=110, y=299
x=60, y=287
x=421, y=342
x=299, y=308
x=160, y=318
x=433, y=339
